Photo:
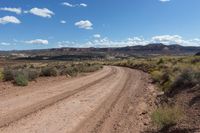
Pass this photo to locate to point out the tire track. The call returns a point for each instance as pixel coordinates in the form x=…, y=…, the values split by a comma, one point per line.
x=20, y=113
x=97, y=120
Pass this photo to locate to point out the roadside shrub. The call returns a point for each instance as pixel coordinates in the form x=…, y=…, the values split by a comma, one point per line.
x=49, y=71
x=156, y=76
x=8, y=74
x=166, y=116
x=32, y=66
x=21, y=80
x=161, y=61
x=32, y=74
x=1, y=75
x=195, y=60
x=71, y=71
x=88, y=68
x=186, y=79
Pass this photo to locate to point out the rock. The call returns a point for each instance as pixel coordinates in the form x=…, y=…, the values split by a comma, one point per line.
x=159, y=94
x=142, y=108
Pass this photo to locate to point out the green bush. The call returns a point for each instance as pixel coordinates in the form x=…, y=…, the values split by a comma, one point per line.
x=166, y=116
x=21, y=80
x=49, y=71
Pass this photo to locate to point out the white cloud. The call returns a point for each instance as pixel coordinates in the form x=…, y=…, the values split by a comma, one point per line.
x=4, y=43
x=67, y=4
x=84, y=24
x=42, y=12
x=164, y=1
x=168, y=39
x=63, y=22
x=133, y=41
x=67, y=44
x=74, y=5
x=15, y=10
x=83, y=5
x=38, y=41
x=9, y=19
x=97, y=36
x=26, y=12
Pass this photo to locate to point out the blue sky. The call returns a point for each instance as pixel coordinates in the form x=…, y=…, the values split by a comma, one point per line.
x=38, y=24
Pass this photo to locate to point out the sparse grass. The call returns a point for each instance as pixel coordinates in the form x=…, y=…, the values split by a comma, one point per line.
x=166, y=116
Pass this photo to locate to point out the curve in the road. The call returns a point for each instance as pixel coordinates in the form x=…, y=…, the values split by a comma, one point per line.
x=20, y=112
x=97, y=106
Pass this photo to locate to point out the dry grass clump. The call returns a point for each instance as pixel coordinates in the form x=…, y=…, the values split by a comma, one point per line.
x=164, y=117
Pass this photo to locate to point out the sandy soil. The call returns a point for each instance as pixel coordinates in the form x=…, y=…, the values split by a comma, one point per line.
x=105, y=101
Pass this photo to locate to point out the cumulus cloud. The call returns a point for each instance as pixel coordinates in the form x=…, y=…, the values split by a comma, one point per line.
x=74, y=5
x=164, y=1
x=97, y=36
x=84, y=24
x=168, y=39
x=63, y=22
x=38, y=41
x=133, y=41
x=9, y=19
x=42, y=12
x=15, y=10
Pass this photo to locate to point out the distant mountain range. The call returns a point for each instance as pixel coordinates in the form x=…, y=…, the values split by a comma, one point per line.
x=93, y=53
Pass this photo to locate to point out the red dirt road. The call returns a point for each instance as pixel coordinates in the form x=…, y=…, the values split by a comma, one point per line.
x=104, y=102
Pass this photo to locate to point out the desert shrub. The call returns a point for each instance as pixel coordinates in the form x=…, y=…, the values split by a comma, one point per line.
x=8, y=74
x=74, y=69
x=49, y=71
x=32, y=74
x=144, y=66
x=71, y=71
x=166, y=116
x=89, y=68
x=1, y=75
x=161, y=61
x=166, y=76
x=156, y=76
x=21, y=79
x=185, y=79
x=32, y=66
x=195, y=60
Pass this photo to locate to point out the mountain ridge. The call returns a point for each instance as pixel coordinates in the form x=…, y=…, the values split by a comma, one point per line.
x=128, y=51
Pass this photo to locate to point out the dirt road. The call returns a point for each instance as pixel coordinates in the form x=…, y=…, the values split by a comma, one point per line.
x=105, y=101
